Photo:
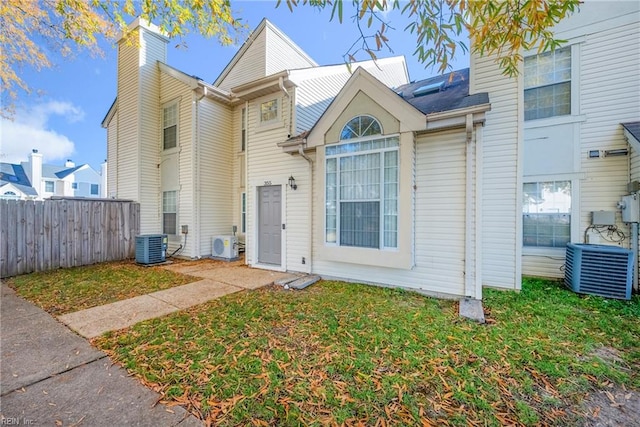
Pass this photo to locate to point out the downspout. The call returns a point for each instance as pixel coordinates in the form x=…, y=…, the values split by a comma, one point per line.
x=309, y=203
x=469, y=280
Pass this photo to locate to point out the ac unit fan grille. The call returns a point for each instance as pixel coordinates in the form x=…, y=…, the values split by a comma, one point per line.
x=599, y=270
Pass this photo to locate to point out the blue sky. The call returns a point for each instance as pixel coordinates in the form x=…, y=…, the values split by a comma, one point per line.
x=62, y=117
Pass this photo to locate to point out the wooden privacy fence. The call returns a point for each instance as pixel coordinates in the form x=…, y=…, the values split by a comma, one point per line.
x=44, y=235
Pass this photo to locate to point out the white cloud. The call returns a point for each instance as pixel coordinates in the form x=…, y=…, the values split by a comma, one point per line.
x=30, y=129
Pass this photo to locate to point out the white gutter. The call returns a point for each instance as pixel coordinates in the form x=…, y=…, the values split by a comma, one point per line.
x=246, y=181
x=478, y=216
x=469, y=282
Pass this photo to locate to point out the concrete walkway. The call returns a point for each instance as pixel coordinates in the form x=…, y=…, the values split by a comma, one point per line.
x=218, y=279
x=51, y=376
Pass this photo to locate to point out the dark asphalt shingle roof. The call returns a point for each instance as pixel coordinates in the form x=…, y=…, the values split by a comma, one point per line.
x=16, y=176
x=633, y=128
x=453, y=93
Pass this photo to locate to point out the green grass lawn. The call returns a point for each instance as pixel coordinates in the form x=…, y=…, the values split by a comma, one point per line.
x=72, y=289
x=339, y=353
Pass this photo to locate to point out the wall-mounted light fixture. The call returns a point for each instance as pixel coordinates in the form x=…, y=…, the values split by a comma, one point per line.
x=292, y=183
x=618, y=152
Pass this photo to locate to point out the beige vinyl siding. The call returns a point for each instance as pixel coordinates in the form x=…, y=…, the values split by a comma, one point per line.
x=281, y=55
x=127, y=151
x=173, y=90
x=112, y=157
x=152, y=50
x=501, y=210
x=250, y=66
x=214, y=166
x=438, y=161
x=267, y=162
x=609, y=96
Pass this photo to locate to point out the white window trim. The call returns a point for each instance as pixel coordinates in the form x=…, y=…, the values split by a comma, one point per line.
x=53, y=184
x=381, y=246
x=164, y=106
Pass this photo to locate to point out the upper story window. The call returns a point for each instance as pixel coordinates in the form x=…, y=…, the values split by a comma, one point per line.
x=547, y=84
x=243, y=130
x=170, y=126
x=269, y=111
x=49, y=186
x=361, y=126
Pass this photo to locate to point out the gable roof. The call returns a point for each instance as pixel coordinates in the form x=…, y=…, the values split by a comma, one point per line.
x=264, y=25
x=446, y=92
x=16, y=176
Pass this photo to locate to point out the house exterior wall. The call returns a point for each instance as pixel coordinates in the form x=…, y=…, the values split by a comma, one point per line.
x=113, y=164
x=214, y=157
x=250, y=66
x=84, y=178
x=501, y=175
x=603, y=97
x=281, y=54
x=136, y=175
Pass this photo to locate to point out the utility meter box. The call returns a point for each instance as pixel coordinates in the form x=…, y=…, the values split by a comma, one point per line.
x=603, y=218
x=630, y=208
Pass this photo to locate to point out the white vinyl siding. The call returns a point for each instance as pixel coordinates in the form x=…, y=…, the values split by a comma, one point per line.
x=501, y=176
x=112, y=157
x=283, y=54
x=437, y=186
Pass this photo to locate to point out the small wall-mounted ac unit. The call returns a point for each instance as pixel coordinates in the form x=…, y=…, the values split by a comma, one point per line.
x=151, y=248
x=225, y=247
x=601, y=270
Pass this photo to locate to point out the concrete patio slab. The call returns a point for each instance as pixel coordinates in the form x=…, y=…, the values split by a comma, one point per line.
x=195, y=293
x=95, y=321
x=243, y=277
x=32, y=349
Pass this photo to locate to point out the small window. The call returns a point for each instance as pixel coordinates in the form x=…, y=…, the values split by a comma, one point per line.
x=49, y=186
x=95, y=189
x=74, y=185
x=547, y=84
x=546, y=211
x=243, y=130
x=169, y=212
x=170, y=127
x=361, y=126
x=269, y=111
x=243, y=213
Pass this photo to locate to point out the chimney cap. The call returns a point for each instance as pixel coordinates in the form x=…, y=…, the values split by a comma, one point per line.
x=35, y=150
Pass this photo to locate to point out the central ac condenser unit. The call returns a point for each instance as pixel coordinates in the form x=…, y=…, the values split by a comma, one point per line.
x=151, y=248
x=601, y=270
x=225, y=247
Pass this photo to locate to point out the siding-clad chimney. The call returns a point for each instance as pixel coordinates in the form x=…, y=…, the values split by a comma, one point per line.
x=69, y=164
x=35, y=170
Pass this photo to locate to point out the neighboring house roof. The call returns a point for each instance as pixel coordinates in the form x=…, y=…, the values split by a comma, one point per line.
x=632, y=132
x=446, y=92
x=16, y=176
x=66, y=172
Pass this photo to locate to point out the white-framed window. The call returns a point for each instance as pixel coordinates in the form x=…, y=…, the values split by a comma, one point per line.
x=169, y=212
x=546, y=211
x=243, y=130
x=547, y=84
x=49, y=186
x=95, y=189
x=269, y=111
x=243, y=212
x=361, y=187
x=170, y=126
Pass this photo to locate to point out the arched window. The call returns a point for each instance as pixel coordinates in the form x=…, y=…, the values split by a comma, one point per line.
x=361, y=126
x=9, y=195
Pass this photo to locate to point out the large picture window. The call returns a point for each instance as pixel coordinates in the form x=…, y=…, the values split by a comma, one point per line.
x=547, y=84
x=362, y=190
x=547, y=214
x=170, y=126
x=169, y=212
